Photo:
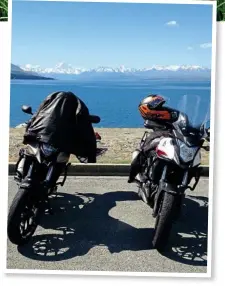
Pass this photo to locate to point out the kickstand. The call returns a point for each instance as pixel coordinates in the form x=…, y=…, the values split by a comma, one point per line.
x=65, y=175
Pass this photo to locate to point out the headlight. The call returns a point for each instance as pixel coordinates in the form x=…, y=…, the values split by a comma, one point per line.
x=187, y=153
x=48, y=150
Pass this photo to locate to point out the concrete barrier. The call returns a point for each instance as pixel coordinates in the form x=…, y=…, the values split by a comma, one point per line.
x=102, y=170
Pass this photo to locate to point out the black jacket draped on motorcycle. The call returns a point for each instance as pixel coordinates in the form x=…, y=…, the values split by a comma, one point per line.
x=62, y=120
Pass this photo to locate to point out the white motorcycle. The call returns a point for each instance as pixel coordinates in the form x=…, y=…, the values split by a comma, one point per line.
x=164, y=167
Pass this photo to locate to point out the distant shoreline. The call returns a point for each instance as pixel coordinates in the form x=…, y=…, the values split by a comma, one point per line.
x=30, y=77
x=72, y=78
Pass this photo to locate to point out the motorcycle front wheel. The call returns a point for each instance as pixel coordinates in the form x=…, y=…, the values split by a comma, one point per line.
x=164, y=220
x=23, y=217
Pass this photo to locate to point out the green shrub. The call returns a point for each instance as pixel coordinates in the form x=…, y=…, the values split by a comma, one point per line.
x=3, y=10
x=220, y=10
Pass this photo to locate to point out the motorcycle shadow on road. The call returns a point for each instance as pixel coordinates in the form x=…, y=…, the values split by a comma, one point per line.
x=81, y=222
x=188, y=240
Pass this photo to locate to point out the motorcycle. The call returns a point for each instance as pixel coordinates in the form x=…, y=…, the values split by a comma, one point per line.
x=164, y=172
x=37, y=172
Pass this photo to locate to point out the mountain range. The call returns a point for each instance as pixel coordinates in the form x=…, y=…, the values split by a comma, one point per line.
x=19, y=73
x=67, y=71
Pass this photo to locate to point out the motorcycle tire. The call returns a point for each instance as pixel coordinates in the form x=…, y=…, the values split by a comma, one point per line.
x=22, y=206
x=164, y=220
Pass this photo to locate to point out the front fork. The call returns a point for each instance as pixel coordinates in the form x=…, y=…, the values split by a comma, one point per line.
x=169, y=188
x=28, y=182
x=35, y=179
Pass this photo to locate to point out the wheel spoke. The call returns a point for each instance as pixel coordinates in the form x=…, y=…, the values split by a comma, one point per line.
x=28, y=220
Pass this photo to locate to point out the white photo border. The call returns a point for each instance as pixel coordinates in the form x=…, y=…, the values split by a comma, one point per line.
x=5, y=29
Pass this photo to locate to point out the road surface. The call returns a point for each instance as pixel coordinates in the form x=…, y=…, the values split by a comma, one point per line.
x=99, y=224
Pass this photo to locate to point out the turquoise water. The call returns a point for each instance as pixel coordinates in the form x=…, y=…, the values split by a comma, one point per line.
x=115, y=102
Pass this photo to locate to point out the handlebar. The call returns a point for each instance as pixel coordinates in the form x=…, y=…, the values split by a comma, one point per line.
x=94, y=118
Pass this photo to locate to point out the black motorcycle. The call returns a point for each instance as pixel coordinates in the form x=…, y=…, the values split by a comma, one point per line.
x=37, y=172
x=164, y=167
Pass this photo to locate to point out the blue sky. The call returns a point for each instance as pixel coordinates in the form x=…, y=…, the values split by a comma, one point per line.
x=110, y=34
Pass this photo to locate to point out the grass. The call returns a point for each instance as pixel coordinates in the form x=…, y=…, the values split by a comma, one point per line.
x=3, y=10
x=121, y=142
x=220, y=10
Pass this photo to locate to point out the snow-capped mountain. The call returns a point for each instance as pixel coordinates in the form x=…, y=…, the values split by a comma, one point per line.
x=67, y=71
x=19, y=73
x=60, y=68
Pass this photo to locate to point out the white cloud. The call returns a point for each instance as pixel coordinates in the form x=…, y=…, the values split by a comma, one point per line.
x=206, y=45
x=190, y=48
x=172, y=23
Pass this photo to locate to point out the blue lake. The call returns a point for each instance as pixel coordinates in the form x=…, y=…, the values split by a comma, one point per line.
x=115, y=102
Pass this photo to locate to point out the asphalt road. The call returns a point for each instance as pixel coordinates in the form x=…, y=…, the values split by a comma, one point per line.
x=100, y=224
